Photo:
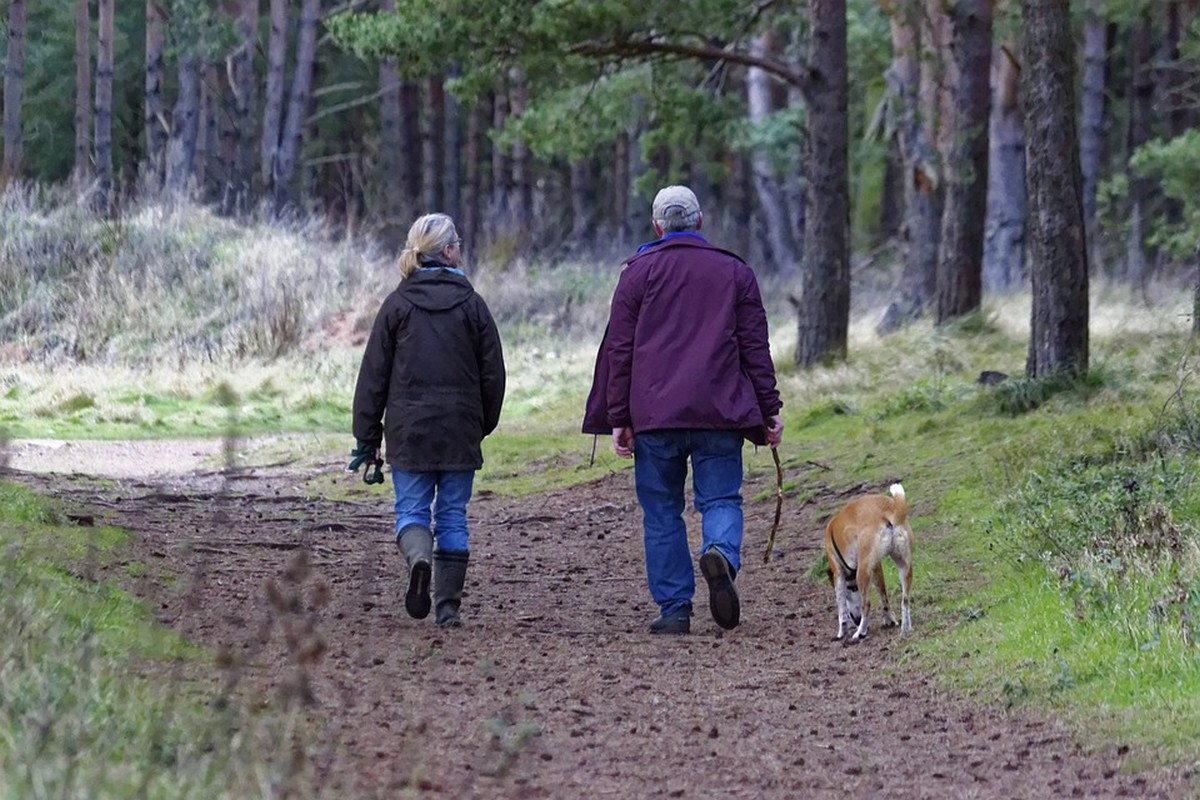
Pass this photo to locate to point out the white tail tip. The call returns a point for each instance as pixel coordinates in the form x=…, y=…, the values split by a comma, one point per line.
x=897, y=490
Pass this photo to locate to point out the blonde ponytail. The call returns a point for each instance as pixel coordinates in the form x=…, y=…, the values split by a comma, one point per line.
x=409, y=261
x=427, y=238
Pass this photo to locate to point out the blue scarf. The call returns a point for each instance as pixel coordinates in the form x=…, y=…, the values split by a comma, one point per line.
x=672, y=235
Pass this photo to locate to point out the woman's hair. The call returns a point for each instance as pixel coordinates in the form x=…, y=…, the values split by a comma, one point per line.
x=427, y=238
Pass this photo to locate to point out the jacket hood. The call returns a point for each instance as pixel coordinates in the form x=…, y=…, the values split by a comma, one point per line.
x=436, y=290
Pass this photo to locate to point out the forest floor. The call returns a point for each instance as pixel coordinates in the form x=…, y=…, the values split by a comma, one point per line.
x=553, y=688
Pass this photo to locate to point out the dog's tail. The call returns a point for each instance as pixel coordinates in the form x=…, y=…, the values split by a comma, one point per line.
x=900, y=507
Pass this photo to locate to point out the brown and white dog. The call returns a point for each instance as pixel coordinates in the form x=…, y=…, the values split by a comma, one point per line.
x=857, y=539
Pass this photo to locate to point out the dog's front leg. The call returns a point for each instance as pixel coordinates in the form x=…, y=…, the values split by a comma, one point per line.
x=889, y=620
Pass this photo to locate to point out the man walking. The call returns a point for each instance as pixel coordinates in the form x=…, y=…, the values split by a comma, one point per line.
x=685, y=372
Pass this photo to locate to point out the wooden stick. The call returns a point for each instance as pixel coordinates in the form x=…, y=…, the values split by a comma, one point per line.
x=778, y=504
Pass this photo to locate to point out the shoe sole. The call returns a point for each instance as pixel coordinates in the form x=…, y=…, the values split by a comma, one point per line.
x=417, y=601
x=722, y=596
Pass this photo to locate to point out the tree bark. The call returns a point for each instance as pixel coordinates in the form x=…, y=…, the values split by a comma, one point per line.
x=391, y=153
x=83, y=91
x=14, y=78
x=185, y=125
x=433, y=141
x=410, y=137
x=782, y=256
x=960, y=250
x=498, y=210
x=1004, y=243
x=244, y=86
x=452, y=172
x=823, y=307
x=1093, y=85
x=154, y=113
x=1138, y=133
x=618, y=189
x=104, y=96
x=583, y=206
x=298, y=101
x=522, y=160
x=474, y=190
x=932, y=93
x=1058, y=340
x=904, y=83
x=273, y=102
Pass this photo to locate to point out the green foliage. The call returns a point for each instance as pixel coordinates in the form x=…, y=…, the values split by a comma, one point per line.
x=576, y=121
x=1024, y=394
x=1175, y=164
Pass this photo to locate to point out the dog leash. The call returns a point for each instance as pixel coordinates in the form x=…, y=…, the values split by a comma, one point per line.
x=778, y=504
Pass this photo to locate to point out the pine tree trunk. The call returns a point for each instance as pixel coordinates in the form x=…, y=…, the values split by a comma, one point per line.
x=1058, y=340
x=433, y=142
x=521, y=202
x=636, y=224
x=154, y=113
x=298, y=101
x=620, y=179
x=391, y=153
x=83, y=91
x=904, y=83
x=1004, y=245
x=474, y=190
x=1091, y=115
x=410, y=136
x=583, y=206
x=14, y=78
x=185, y=125
x=452, y=171
x=782, y=256
x=277, y=46
x=823, y=307
x=921, y=267
x=207, y=163
x=104, y=95
x=244, y=86
x=1138, y=133
x=960, y=250
x=498, y=211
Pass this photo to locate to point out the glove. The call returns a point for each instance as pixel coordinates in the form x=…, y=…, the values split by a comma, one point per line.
x=362, y=454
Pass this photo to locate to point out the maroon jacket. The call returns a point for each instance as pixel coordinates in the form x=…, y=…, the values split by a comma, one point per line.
x=686, y=345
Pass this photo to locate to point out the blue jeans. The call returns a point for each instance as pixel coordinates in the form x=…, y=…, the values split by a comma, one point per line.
x=415, y=498
x=659, y=472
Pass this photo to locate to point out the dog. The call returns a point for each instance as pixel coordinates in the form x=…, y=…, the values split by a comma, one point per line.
x=857, y=539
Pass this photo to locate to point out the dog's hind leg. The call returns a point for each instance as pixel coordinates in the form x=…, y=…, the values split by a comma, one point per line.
x=864, y=591
x=889, y=621
x=839, y=593
x=905, y=567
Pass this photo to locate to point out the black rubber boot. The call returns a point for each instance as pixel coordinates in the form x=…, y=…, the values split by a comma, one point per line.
x=448, y=579
x=416, y=544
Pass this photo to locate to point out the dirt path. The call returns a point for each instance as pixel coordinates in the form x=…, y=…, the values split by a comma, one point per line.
x=553, y=688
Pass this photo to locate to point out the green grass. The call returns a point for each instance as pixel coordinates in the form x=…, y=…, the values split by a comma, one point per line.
x=96, y=698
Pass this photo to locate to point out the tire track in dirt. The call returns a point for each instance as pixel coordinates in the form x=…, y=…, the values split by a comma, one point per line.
x=553, y=688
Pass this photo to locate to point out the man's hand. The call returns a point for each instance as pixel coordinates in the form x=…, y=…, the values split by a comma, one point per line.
x=364, y=452
x=774, y=429
x=623, y=442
